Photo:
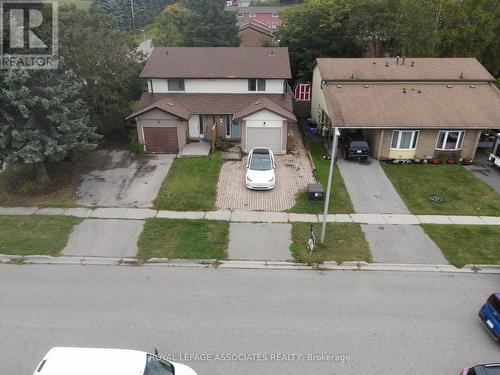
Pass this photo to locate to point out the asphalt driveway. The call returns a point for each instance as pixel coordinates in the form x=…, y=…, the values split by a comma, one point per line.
x=486, y=171
x=118, y=178
x=369, y=188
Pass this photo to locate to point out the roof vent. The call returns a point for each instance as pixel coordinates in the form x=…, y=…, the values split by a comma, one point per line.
x=462, y=75
x=166, y=52
x=257, y=102
x=374, y=63
x=472, y=86
x=271, y=53
x=413, y=63
x=387, y=63
x=419, y=91
x=339, y=86
x=404, y=90
x=450, y=86
x=352, y=76
x=397, y=60
x=366, y=86
x=403, y=62
x=170, y=104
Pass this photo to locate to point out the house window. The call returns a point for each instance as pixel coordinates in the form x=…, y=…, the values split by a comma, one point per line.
x=175, y=85
x=276, y=14
x=256, y=84
x=404, y=139
x=274, y=25
x=450, y=140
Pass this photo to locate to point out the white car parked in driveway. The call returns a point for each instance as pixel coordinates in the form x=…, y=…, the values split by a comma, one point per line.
x=260, y=169
x=95, y=361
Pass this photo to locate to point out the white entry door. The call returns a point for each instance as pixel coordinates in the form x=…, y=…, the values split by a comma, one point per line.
x=195, y=126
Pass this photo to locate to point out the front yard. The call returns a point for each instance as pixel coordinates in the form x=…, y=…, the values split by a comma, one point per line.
x=184, y=239
x=18, y=186
x=340, y=203
x=35, y=235
x=463, y=193
x=343, y=242
x=191, y=184
x=466, y=244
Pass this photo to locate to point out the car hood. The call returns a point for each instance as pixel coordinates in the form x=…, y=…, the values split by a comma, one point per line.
x=260, y=176
x=181, y=369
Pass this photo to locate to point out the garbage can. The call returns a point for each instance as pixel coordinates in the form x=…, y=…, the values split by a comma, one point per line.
x=315, y=192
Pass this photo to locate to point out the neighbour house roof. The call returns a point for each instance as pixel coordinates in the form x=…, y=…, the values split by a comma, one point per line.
x=275, y=9
x=413, y=69
x=408, y=105
x=218, y=62
x=256, y=25
x=184, y=105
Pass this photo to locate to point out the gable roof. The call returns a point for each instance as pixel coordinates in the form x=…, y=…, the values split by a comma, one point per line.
x=423, y=69
x=256, y=25
x=184, y=105
x=424, y=105
x=272, y=9
x=218, y=62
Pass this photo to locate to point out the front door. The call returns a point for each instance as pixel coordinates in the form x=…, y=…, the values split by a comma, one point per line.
x=235, y=129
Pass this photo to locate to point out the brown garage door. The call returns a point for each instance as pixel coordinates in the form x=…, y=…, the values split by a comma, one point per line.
x=162, y=140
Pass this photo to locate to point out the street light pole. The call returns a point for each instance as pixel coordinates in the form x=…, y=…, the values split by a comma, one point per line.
x=133, y=13
x=329, y=185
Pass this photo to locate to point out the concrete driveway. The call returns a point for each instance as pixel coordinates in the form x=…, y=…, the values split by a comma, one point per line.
x=369, y=188
x=293, y=173
x=118, y=178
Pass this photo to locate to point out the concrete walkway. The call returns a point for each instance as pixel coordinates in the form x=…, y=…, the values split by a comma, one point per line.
x=251, y=217
x=369, y=188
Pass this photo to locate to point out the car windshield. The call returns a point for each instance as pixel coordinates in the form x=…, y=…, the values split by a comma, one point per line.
x=261, y=162
x=359, y=145
x=494, y=302
x=157, y=366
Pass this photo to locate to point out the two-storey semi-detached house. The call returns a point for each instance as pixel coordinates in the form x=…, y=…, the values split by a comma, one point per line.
x=413, y=108
x=235, y=93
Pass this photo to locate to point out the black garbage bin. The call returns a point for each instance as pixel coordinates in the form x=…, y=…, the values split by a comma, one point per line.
x=315, y=192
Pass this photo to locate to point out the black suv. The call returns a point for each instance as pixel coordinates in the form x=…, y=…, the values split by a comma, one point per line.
x=354, y=147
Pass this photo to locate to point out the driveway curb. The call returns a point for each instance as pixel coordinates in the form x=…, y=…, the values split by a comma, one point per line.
x=253, y=264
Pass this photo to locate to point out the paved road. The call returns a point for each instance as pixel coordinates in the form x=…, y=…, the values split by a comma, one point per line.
x=369, y=188
x=117, y=178
x=389, y=323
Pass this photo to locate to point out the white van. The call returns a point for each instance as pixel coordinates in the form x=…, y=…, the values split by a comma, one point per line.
x=95, y=361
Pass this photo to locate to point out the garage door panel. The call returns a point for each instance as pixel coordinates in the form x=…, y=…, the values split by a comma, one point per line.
x=264, y=137
x=161, y=139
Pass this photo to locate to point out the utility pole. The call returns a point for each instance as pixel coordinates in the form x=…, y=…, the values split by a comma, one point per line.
x=133, y=13
x=336, y=133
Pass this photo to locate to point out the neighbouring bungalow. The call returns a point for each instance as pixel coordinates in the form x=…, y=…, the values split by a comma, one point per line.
x=197, y=94
x=407, y=108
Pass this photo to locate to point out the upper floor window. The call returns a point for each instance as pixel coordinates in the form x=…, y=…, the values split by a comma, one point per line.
x=276, y=14
x=175, y=85
x=450, y=140
x=256, y=84
x=404, y=139
x=274, y=25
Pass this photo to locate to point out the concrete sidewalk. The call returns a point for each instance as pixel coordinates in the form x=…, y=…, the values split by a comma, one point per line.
x=251, y=217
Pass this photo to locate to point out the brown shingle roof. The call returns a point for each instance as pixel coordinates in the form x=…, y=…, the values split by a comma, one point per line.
x=264, y=103
x=435, y=106
x=424, y=69
x=183, y=105
x=257, y=26
x=218, y=62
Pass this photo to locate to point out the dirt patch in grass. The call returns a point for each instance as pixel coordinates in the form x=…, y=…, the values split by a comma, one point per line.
x=35, y=235
x=19, y=187
x=463, y=193
x=184, y=239
x=466, y=244
x=340, y=203
x=343, y=242
x=191, y=184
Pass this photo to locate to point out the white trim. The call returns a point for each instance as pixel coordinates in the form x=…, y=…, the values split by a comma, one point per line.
x=460, y=139
x=143, y=138
x=415, y=133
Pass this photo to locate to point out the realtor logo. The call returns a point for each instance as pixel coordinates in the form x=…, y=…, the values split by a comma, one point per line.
x=28, y=34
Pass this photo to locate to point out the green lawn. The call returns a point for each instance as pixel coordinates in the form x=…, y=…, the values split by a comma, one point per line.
x=18, y=186
x=463, y=193
x=467, y=244
x=191, y=184
x=81, y=4
x=340, y=203
x=35, y=235
x=343, y=242
x=184, y=239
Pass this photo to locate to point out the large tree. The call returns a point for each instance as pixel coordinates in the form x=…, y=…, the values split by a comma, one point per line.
x=168, y=29
x=42, y=118
x=104, y=61
x=316, y=28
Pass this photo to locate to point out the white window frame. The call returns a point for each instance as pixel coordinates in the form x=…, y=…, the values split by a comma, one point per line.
x=414, y=139
x=257, y=81
x=181, y=82
x=460, y=140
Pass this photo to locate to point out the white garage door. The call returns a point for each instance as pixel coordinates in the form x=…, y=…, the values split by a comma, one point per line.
x=264, y=137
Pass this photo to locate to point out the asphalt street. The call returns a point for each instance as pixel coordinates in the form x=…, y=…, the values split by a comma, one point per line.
x=271, y=322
